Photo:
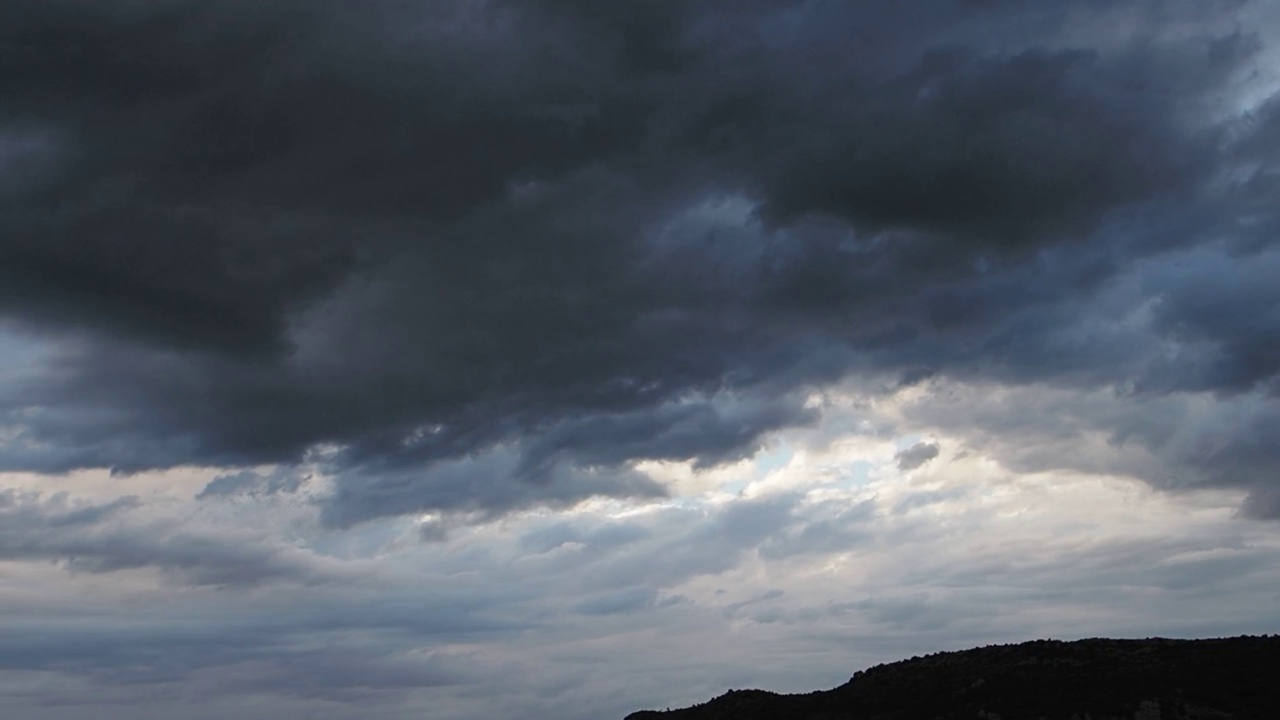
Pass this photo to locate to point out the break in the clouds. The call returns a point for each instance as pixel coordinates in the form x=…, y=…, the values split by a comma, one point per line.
x=287, y=288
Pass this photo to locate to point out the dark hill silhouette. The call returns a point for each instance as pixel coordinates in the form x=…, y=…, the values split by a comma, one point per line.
x=1097, y=679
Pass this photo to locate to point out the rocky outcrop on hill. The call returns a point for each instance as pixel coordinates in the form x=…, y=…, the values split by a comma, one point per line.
x=1097, y=679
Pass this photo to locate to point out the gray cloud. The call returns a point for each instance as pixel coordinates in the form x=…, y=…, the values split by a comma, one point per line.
x=248, y=482
x=916, y=585
x=917, y=455
x=482, y=256
x=192, y=645
x=1174, y=442
x=97, y=538
x=1262, y=502
x=515, y=613
x=623, y=601
x=487, y=484
x=830, y=527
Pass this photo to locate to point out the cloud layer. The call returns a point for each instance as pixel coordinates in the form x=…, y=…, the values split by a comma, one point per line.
x=810, y=569
x=483, y=358
x=587, y=238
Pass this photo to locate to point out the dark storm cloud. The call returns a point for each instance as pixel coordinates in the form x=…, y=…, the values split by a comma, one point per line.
x=473, y=256
x=995, y=153
x=1231, y=310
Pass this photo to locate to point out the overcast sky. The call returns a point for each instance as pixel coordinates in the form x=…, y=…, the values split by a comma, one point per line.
x=563, y=358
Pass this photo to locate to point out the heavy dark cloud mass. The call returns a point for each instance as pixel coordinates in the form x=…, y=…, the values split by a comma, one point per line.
x=474, y=256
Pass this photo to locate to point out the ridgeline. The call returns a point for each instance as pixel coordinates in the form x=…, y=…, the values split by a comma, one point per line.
x=1096, y=679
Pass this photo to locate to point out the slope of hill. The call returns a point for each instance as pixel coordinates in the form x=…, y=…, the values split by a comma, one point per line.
x=1097, y=679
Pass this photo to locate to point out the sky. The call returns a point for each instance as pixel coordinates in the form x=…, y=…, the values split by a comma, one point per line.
x=564, y=358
